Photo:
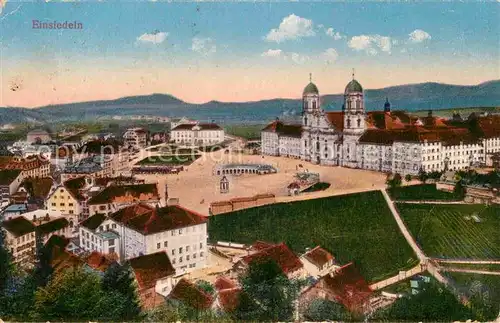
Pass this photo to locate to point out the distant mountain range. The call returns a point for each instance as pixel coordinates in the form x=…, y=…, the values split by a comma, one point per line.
x=411, y=97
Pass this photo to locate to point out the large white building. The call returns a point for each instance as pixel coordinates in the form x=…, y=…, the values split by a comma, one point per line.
x=142, y=230
x=387, y=141
x=136, y=137
x=200, y=134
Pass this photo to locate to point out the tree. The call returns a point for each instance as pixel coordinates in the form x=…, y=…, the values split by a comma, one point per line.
x=76, y=295
x=408, y=177
x=434, y=303
x=205, y=286
x=267, y=294
x=459, y=190
x=422, y=175
x=6, y=269
x=325, y=310
x=119, y=279
x=394, y=181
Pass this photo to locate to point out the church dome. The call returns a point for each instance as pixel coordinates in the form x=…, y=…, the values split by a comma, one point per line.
x=311, y=88
x=353, y=86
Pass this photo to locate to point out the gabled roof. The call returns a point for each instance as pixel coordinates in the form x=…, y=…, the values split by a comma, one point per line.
x=148, y=220
x=18, y=226
x=73, y=186
x=192, y=296
x=223, y=282
x=289, y=130
x=93, y=222
x=150, y=268
x=51, y=226
x=138, y=192
x=318, y=256
x=348, y=286
x=7, y=176
x=281, y=254
x=98, y=261
x=229, y=299
x=336, y=119
x=38, y=187
x=490, y=126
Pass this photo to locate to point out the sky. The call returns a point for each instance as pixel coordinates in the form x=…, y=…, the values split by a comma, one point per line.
x=245, y=51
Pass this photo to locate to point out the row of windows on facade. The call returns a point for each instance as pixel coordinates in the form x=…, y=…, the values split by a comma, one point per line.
x=174, y=260
x=181, y=249
x=25, y=238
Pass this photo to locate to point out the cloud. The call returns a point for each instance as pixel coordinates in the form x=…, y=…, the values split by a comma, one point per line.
x=156, y=37
x=292, y=27
x=297, y=58
x=371, y=44
x=272, y=53
x=204, y=46
x=418, y=36
x=330, y=55
x=334, y=34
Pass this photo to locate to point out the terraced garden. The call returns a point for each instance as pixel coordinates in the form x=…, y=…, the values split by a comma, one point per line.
x=354, y=227
x=454, y=231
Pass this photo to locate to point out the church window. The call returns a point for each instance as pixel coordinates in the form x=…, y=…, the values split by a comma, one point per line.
x=358, y=105
x=359, y=123
x=314, y=105
x=348, y=123
x=305, y=120
x=317, y=145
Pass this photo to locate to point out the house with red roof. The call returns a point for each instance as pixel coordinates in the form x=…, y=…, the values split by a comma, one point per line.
x=154, y=275
x=318, y=262
x=345, y=286
x=227, y=295
x=280, y=253
x=143, y=230
x=190, y=295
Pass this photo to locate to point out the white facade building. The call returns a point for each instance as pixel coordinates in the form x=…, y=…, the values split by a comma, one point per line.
x=136, y=137
x=384, y=141
x=199, y=134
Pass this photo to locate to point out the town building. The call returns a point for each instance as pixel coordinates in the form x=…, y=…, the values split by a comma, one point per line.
x=318, y=262
x=386, y=141
x=174, y=122
x=114, y=197
x=190, y=295
x=136, y=137
x=98, y=234
x=10, y=180
x=154, y=275
x=69, y=198
x=33, y=166
x=200, y=134
x=93, y=166
x=46, y=227
x=20, y=240
x=289, y=263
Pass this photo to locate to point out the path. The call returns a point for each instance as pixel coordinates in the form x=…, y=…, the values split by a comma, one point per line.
x=432, y=202
x=461, y=261
x=471, y=271
x=399, y=277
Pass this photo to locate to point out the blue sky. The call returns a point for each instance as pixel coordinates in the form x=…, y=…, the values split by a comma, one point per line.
x=211, y=47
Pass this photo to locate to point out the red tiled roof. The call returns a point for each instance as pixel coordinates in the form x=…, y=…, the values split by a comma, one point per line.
x=348, y=286
x=39, y=187
x=111, y=193
x=150, y=268
x=318, y=256
x=98, y=261
x=490, y=126
x=289, y=130
x=260, y=245
x=148, y=220
x=281, y=254
x=94, y=221
x=190, y=295
x=28, y=163
x=74, y=186
x=336, y=119
x=224, y=283
x=384, y=120
x=229, y=299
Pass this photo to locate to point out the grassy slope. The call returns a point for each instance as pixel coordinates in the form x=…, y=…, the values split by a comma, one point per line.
x=422, y=192
x=444, y=232
x=355, y=227
x=245, y=131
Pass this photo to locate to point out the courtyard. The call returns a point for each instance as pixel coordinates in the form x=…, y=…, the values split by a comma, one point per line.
x=197, y=187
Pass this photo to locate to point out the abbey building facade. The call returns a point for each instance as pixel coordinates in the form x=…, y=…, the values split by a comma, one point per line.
x=386, y=141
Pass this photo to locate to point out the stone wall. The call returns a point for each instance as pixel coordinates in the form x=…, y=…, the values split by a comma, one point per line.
x=241, y=203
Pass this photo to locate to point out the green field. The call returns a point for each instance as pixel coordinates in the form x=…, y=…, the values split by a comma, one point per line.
x=245, y=131
x=355, y=227
x=488, y=267
x=423, y=192
x=173, y=160
x=483, y=291
x=449, y=231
